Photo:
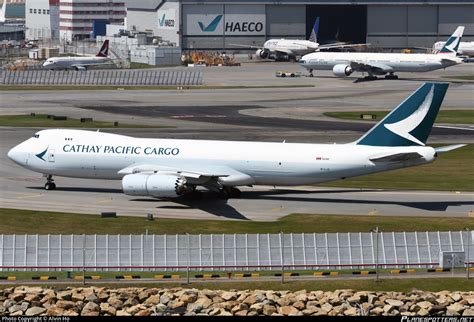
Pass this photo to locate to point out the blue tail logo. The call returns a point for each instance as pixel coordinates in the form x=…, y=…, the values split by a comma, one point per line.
x=314, y=33
x=212, y=25
x=411, y=122
x=452, y=44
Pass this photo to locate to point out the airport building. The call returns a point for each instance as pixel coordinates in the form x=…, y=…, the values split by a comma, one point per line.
x=42, y=19
x=223, y=24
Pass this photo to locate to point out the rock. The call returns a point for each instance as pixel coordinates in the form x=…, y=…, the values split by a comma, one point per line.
x=153, y=300
x=188, y=298
x=468, y=312
x=204, y=301
x=268, y=309
x=456, y=307
x=250, y=300
x=133, y=309
x=143, y=313
x=64, y=295
x=175, y=304
x=16, y=297
x=122, y=313
x=131, y=301
x=215, y=311
x=75, y=297
x=90, y=307
x=423, y=312
x=241, y=313
x=16, y=313
x=395, y=303
x=66, y=305
x=376, y=311
x=224, y=313
x=424, y=305
x=299, y=305
x=326, y=307
x=287, y=310
x=35, y=311
x=160, y=308
x=228, y=296
x=456, y=297
x=55, y=311
x=165, y=299
x=351, y=312
x=31, y=298
x=115, y=302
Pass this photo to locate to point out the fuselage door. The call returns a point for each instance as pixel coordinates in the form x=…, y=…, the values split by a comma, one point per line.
x=51, y=156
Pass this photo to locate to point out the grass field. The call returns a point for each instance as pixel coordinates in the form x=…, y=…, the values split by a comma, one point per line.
x=40, y=222
x=446, y=116
x=41, y=120
x=452, y=171
x=463, y=77
x=396, y=285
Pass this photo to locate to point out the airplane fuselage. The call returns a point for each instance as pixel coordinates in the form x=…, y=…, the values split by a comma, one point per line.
x=86, y=154
x=73, y=62
x=294, y=46
x=398, y=62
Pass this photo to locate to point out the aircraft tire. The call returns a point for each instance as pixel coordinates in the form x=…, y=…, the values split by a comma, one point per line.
x=50, y=186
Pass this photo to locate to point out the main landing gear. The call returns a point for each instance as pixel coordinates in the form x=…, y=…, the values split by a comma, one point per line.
x=229, y=192
x=311, y=73
x=49, y=185
x=391, y=76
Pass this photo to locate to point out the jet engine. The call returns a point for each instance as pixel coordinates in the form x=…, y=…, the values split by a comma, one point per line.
x=262, y=53
x=80, y=68
x=342, y=70
x=154, y=185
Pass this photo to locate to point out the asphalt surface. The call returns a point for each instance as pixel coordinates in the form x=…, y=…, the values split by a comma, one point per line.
x=294, y=114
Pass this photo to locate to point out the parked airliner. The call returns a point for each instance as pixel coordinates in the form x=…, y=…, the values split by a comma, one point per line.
x=344, y=64
x=80, y=63
x=166, y=168
x=292, y=48
x=466, y=48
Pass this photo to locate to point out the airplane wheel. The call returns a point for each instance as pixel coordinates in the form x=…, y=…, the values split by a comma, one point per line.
x=311, y=75
x=50, y=186
x=235, y=193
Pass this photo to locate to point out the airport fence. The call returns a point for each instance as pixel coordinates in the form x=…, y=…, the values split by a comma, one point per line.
x=229, y=252
x=102, y=77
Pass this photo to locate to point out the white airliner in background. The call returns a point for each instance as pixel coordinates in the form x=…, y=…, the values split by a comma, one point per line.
x=466, y=48
x=292, y=48
x=344, y=64
x=166, y=168
x=80, y=63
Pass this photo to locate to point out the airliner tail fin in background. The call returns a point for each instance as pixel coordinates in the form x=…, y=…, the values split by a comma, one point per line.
x=104, y=50
x=451, y=46
x=411, y=122
x=314, y=33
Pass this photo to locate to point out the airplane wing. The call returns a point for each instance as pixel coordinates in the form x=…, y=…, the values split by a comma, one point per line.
x=396, y=157
x=79, y=65
x=341, y=45
x=283, y=51
x=448, y=148
x=375, y=68
x=246, y=46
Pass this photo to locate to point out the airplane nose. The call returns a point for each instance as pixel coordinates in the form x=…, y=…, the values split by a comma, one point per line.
x=16, y=155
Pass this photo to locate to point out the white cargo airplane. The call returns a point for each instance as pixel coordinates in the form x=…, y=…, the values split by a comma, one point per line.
x=292, y=48
x=344, y=64
x=466, y=48
x=166, y=168
x=80, y=63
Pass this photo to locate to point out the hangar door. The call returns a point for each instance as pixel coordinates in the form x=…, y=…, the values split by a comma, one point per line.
x=338, y=23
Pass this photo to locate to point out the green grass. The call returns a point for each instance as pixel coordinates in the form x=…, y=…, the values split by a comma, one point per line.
x=41, y=120
x=40, y=222
x=444, y=116
x=452, y=171
x=395, y=285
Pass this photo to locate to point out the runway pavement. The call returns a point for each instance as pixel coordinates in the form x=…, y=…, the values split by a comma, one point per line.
x=294, y=114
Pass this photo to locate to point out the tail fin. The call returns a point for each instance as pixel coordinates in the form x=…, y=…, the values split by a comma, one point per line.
x=3, y=11
x=104, y=50
x=411, y=122
x=451, y=46
x=314, y=33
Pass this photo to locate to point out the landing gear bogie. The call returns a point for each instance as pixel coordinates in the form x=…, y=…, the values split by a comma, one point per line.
x=49, y=185
x=229, y=192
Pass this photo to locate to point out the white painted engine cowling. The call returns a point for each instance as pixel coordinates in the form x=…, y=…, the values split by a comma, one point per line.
x=153, y=185
x=341, y=70
x=262, y=53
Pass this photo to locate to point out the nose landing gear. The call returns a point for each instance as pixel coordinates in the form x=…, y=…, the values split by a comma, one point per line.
x=49, y=185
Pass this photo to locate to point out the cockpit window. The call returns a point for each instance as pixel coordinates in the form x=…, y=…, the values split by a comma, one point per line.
x=36, y=136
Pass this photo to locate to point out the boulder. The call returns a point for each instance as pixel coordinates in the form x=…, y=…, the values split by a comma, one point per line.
x=145, y=312
x=228, y=296
x=55, y=311
x=204, y=301
x=269, y=310
x=393, y=302
x=66, y=305
x=90, y=307
x=287, y=310
x=64, y=295
x=35, y=311
x=241, y=313
x=122, y=313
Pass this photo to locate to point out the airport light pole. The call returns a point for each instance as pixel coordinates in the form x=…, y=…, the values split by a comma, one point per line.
x=468, y=231
x=376, y=231
x=83, y=259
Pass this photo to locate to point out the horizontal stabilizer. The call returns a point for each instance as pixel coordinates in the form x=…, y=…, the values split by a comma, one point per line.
x=396, y=157
x=448, y=148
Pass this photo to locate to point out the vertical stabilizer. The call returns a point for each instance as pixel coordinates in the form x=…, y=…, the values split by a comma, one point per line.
x=314, y=33
x=410, y=123
x=104, y=50
x=3, y=11
x=451, y=46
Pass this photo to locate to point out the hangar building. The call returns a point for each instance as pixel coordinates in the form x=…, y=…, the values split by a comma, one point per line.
x=221, y=24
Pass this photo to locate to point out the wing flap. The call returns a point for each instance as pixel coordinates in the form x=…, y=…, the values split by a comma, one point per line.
x=396, y=157
x=372, y=67
x=448, y=148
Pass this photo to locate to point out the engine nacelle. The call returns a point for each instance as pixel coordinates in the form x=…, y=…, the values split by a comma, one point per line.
x=80, y=68
x=154, y=185
x=341, y=70
x=262, y=53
